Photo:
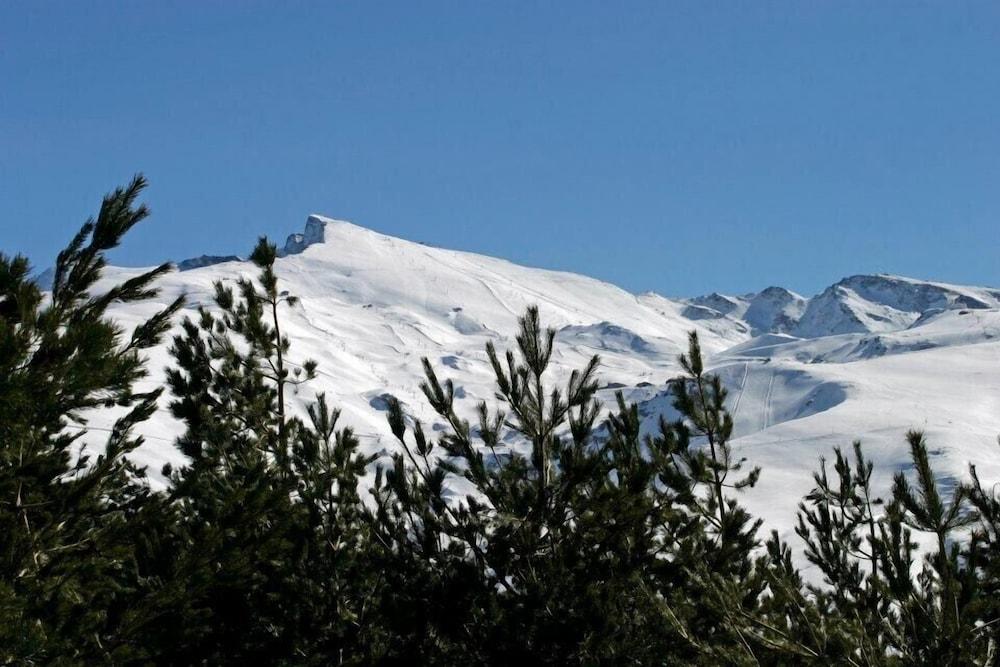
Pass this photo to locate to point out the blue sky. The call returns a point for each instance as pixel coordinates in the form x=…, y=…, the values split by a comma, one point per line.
x=682, y=147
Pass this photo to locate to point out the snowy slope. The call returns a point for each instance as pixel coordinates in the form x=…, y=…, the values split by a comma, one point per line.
x=868, y=358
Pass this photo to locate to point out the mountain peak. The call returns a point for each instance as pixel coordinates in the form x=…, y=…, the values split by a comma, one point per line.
x=774, y=310
x=860, y=303
x=316, y=232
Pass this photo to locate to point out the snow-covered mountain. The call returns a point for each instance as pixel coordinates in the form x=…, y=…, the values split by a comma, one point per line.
x=868, y=358
x=859, y=304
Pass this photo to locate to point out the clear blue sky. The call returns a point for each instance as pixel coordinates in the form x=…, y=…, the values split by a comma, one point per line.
x=682, y=147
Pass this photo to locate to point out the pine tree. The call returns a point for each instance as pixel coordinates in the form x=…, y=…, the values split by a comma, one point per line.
x=871, y=608
x=942, y=605
x=509, y=533
x=700, y=398
x=264, y=562
x=570, y=548
x=66, y=552
x=699, y=474
x=984, y=556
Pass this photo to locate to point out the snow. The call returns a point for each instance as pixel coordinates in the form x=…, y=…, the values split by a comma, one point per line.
x=774, y=310
x=884, y=303
x=868, y=358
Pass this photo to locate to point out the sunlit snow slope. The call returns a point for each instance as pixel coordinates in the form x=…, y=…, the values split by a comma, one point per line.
x=868, y=358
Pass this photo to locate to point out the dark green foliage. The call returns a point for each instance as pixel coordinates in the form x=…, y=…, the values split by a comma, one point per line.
x=984, y=555
x=577, y=545
x=264, y=551
x=66, y=551
x=696, y=467
x=876, y=605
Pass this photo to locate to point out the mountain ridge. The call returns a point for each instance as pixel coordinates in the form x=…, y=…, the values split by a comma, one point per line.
x=857, y=303
x=883, y=353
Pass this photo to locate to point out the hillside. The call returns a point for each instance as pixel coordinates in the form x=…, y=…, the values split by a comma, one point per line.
x=867, y=358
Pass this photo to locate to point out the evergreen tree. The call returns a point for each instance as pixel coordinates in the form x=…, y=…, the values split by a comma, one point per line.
x=871, y=603
x=716, y=586
x=66, y=551
x=984, y=555
x=941, y=606
x=573, y=545
x=263, y=558
x=841, y=525
x=534, y=564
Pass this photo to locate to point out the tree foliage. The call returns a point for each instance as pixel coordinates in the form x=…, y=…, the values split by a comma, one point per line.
x=66, y=551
